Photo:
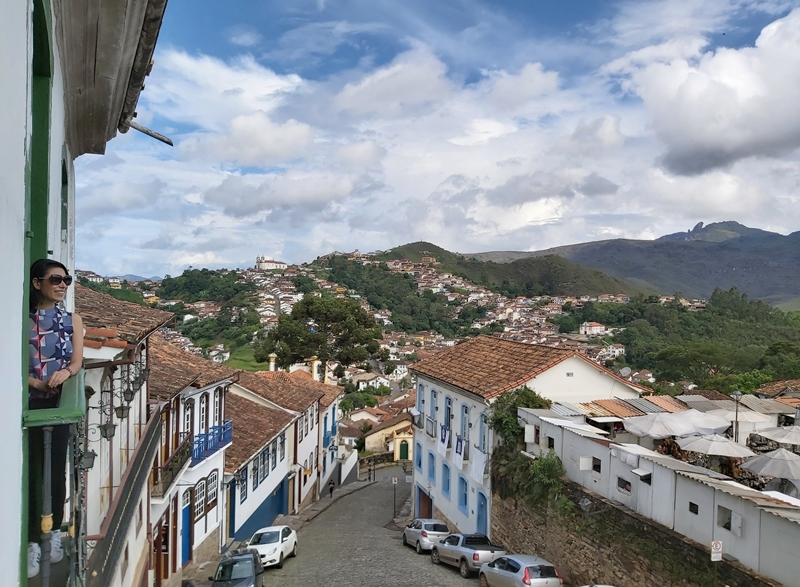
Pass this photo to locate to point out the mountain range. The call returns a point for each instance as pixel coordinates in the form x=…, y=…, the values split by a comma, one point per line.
x=765, y=265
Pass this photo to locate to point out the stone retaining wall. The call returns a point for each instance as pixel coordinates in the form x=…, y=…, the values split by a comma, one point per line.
x=612, y=545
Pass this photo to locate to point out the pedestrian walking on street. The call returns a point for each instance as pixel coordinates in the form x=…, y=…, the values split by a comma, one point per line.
x=369, y=473
x=331, y=485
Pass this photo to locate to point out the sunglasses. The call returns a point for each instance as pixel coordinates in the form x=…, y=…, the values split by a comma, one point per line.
x=57, y=279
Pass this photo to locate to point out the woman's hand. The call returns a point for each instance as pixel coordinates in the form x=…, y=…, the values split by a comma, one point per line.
x=37, y=384
x=58, y=378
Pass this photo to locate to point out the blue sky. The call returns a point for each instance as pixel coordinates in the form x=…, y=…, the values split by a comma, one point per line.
x=303, y=127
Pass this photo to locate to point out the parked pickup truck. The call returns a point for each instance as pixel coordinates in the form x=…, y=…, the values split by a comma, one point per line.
x=465, y=551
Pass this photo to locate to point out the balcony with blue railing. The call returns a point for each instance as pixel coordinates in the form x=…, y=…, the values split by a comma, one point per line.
x=207, y=444
x=326, y=439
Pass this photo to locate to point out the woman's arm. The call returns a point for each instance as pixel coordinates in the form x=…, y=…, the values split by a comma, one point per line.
x=76, y=362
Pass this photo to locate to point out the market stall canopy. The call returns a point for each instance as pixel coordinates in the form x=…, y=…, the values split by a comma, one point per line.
x=715, y=445
x=704, y=423
x=778, y=463
x=782, y=434
x=658, y=425
x=743, y=416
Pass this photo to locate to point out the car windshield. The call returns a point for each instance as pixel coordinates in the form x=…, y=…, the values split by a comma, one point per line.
x=436, y=528
x=265, y=537
x=542, y=572
x=477, y=541
x=230, y=570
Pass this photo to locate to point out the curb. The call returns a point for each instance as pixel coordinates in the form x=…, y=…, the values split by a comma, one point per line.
x=305, y=516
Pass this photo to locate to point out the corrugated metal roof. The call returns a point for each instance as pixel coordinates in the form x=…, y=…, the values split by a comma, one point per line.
x=675, y=465
x=565, y=409
x=646, y=406
x=703, y=405
x=693, y=398
x=766, y=406
x=670, y=404
x=731, y=487
x=619, y=408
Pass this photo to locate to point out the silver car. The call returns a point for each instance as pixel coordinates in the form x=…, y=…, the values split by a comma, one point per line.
x=423, y=533
x=519, y=570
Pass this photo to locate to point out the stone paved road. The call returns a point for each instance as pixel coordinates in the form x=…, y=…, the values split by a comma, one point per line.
x=354, y=543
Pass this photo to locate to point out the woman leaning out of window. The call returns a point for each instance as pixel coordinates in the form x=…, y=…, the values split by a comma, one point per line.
x=56, y=354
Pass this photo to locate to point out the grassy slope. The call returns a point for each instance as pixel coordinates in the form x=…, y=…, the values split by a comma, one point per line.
x=555, y=274
x=242, y=358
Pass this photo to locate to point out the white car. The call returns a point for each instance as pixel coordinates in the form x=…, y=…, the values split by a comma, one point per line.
x=274, y=545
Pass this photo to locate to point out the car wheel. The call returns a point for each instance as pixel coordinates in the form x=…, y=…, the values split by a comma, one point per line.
x=405, y=540
x=280, y=562
x=435, y=557
x=463, y=568
x=484, y=581
x=419, y=548
x=294, y=550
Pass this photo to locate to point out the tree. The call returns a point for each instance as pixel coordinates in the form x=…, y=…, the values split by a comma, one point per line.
x=389, y=368
x=503, y=417
x=362, y=436
x=332, y=329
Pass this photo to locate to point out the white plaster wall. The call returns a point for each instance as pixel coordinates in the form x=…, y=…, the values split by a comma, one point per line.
x=618, y=469
x=698, y=526
x=778, y=549
x=305, y=449
x=267, y=486
x=587, y=383
x=579, y=446
x=206, y=525
x=15, y=55
x=135, y=543
x=746, y=546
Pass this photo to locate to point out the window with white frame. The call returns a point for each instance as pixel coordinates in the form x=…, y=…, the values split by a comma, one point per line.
x=484, y=433
x=211, y=488
x=203, y=412
x=187, y=418
x=199, y=499
x=305, y=422
x=264, y=463
x=275, y=453
x=187, y=498
x=243, y=485
x=300, y=430
x=313, y=414
x=218, y=407
x=256, y=478
x=283, y=446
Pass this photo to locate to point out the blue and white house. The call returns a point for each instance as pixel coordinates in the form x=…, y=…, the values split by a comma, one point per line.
x=452, y=438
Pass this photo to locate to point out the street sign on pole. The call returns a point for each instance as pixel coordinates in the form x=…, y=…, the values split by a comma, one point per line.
x=394, y=480
x=716, y=550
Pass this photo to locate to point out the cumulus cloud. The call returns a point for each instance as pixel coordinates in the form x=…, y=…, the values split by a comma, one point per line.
x=415, y=79
x=597, y=185
x=509, y=91
x=729, y=104
x=252, y=139
x=306, y=193
x=363, y=154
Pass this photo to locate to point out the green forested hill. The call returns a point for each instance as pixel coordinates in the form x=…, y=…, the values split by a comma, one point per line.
x=547, y=275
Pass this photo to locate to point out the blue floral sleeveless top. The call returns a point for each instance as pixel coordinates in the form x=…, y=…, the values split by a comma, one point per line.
x=50, y=345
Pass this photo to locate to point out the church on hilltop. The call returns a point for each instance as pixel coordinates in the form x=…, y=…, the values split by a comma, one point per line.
x=265, y=264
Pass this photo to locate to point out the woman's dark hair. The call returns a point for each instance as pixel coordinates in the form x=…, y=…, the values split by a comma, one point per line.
x=38, y=270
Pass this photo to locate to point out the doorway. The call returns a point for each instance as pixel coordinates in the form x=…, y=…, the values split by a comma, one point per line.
x=481, y=526
x=424, y=504
x=404, y=450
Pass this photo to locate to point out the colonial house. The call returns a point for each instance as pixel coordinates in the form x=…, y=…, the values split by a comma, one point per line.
x=381, y=438
x=186, y=505
x=368, y=414
x=121, y=434
x=59, y=101
x=363, y=380
x=452, y=439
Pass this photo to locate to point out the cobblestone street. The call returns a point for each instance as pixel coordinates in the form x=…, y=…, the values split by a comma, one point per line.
x=356, y=543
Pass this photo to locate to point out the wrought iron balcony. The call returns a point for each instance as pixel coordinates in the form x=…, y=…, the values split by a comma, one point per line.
x=431, y=428
x=169, y=472
x=207, y=444
x=418, y=421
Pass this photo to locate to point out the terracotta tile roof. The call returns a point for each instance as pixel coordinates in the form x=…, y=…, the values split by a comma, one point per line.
x=254, y=426
x=776, y=388
x=300, y=374
x=489, y=366
x=789, y=401
x=173, y=369
x=711, y=394
x=330, y=392
x=112, y=322
x=619, y=408
x=670, y=404
x=407, y=430
x=282, y=389
x=403, y=417
x=377, y=412
x=593, y=410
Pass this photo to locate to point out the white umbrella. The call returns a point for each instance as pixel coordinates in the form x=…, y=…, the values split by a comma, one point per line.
x=704, y=423
x=715, y=445
x=744, y=415
x=782, y=434
x=778, y=463
x=658, y=425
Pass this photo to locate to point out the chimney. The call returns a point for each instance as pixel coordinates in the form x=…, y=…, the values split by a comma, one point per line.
x=272, y=357
x=313, y=363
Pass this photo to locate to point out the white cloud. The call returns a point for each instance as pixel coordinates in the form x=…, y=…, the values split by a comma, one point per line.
x=728, y=105
x=251, y=139
x=510, y=91
x=244, y=36
x=363, y=154
x=414, y=80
